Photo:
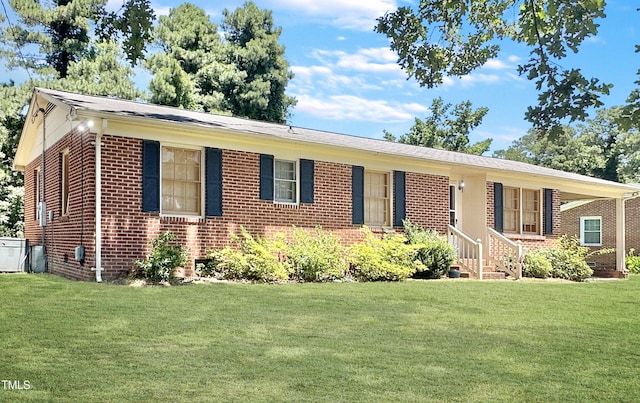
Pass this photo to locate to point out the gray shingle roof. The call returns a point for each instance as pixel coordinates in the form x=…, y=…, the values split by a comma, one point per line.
x=123, y=108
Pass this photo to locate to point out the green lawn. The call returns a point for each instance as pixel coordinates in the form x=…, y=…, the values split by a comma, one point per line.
x=411, y=341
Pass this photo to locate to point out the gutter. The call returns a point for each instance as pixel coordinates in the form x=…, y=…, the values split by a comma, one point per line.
x=98, y=144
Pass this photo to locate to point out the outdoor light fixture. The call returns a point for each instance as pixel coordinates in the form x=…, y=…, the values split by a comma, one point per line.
x=461, y=185
x=85, y=125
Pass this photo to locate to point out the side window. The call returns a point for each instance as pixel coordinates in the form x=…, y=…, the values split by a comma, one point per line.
x=285, y=181
x=181, y=181
x=376, y=199
x=37, y=190
x=591, y=231
x=64, y=185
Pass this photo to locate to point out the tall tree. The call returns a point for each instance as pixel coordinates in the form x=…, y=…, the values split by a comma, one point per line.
x=455, y=37
x=102, y=71
x=242, y=72
x=447, y=128
x=189, y=68
x=253, y=48
x=12, y=100
x=566, y=152
x=61, y=31
x=601, y=147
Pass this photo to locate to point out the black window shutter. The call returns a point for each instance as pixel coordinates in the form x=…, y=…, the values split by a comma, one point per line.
x=213, y=190
x=150, y=176
x=266, y=177
x=548, y=212
x=306, y=181
x=357, y=194
x=399, y=198
x=498, y=204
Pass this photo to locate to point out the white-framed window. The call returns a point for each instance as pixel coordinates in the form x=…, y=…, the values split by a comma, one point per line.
x=522, y=213
x=181, y=187
x=37, y=191
x=64, y=185
x=285, y=181
x=377, y=203
x=591, y=231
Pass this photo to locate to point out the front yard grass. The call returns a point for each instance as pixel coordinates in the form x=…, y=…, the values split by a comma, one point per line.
x=337, y=342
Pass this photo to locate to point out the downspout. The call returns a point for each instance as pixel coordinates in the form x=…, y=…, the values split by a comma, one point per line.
x=98, y=269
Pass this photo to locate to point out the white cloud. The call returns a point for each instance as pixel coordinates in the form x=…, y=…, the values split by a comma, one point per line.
x=377, y=60
x=478, y=78
x=350, y=107
x=353, y=14
x=496, y=64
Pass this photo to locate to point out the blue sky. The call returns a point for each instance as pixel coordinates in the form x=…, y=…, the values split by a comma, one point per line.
x=347, y=80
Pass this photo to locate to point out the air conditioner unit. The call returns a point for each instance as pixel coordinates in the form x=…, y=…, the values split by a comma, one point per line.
x=38, y=259
x=14, y=253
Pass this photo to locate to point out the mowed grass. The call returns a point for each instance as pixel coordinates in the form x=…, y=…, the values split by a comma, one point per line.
x=414, y=341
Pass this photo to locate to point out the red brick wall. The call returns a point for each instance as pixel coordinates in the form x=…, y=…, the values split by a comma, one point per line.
x=427, y=200
x=607, y=210
x=64, y=233
x=529, y=242
x=127, y=231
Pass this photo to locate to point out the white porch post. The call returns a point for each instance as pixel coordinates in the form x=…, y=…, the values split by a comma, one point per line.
x=620, y=235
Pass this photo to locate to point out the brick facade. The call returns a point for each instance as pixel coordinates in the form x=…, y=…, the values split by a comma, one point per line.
x=127, y=231
x=606, y=209
x=529, y=242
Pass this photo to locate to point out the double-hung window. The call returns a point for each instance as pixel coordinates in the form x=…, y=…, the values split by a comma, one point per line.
x=64, y=185
x=285, y=181
x=37, y=191
x=181, y=181
x=591, y=231
x=521, y=210
x=376, y=199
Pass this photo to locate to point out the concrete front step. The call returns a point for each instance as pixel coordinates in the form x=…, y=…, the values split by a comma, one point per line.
x=487, y=275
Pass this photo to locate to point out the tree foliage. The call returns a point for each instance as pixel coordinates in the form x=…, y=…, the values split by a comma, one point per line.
x=12, y=99
x=447, y=127
x=253, y=48
x=601, y=147
x=455, y=37
x=243, y=71
x=61, y=33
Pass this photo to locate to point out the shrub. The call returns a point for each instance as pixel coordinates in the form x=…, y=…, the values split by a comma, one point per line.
x=536, y=265
x=632, y=262
x=568, y=259
x=165, y=257
x=251, y=258
x=387, y=258
x=434, y=251
x=316, y=255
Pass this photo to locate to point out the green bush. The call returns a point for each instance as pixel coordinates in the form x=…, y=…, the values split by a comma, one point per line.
x=536, y=265
x=316, y=255
x=377, y=259
x=568, y=259
x=251, y=258
x=433, y=250
x=632, y=262
x=165, y=257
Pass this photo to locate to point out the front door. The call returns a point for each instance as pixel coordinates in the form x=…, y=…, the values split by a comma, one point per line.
x=453, y=201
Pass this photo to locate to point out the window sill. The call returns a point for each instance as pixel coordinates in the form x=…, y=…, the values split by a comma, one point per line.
x=525, y=237
x=286, y=205
x=182, y=219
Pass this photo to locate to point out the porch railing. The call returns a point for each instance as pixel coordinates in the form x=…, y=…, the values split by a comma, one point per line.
x=504, y=254
x=469, y=251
